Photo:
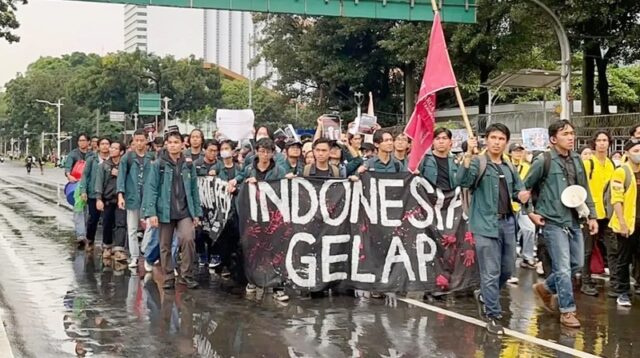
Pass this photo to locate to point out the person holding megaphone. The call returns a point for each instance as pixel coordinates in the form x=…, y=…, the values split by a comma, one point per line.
x=551, y=174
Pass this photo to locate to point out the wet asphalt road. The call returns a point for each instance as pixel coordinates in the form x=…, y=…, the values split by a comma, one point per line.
x=57, y=302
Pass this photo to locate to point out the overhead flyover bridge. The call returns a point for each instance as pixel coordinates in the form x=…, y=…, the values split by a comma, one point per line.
x=455, y=11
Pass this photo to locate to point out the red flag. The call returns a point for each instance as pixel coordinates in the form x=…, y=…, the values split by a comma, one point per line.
x=438, y=75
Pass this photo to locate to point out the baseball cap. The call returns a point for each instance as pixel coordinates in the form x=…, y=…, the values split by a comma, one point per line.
x=515, y=146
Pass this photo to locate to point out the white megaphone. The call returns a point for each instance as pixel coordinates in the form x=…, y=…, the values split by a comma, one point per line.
x=574, y=197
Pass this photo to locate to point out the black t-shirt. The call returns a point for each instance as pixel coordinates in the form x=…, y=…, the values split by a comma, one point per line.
x=231, y=172
x=504, y=201
x=443, y=173
x=569, y=169
x=323, y=173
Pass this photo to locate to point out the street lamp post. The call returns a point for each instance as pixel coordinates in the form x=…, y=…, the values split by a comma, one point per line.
x=59, y=105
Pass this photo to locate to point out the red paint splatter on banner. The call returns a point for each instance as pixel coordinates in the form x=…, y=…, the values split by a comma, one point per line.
x=469, y=258
x=448, y=240
x=275, y=221
x=468, y=238
x=364, y=228
x=442, y=282
x=417, y=211
x=254, y=231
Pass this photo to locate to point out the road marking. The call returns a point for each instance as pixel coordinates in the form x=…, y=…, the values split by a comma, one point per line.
x=5, y=346
x=508, y=332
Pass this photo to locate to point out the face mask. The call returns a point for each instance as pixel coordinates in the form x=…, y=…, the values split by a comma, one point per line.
x=225, y=154
x=616, y=162
x=635, y=158
x=260, y=137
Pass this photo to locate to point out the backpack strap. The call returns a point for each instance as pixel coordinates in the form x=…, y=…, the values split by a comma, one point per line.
x=334, y=171
x=592, y=168
x=482, y=168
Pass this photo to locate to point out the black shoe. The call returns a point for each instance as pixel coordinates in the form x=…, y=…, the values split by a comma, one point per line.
x=189, y=282
x=169, y=284
x=588, y=289
x=494, y=327
x=480, y=303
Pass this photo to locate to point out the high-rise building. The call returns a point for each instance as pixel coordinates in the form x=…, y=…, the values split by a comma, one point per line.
x=135, y=28
x=225, y=38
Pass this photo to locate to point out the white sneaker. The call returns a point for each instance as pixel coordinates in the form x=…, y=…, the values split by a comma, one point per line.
x=133, y=263
x=251, y=288
x=280, y=296
x=513, y=280
x=539, y=269
x=147, y=266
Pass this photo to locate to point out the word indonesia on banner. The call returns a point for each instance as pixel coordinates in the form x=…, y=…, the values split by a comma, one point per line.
x=386, y=232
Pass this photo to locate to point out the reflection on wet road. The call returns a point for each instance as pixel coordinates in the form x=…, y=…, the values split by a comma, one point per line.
x=61, y=302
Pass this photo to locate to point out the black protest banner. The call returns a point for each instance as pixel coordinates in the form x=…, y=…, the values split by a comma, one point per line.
x=386, y=232
x=216, y=203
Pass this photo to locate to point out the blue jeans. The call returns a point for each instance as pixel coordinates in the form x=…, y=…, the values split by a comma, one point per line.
x=496, y=260
x=79, y=225
x=566, y=250
x=528, y=234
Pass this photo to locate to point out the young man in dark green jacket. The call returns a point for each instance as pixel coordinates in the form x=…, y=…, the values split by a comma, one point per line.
x=114, y=219
x=134, y=168
x=561, y=230
x=495, y=185
x=439, y=166
x=171, y=202
x=88, y=188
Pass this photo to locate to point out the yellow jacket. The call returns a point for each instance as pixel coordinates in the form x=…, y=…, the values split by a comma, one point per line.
x=627, y=198
x=523, y=169
x=599, y=175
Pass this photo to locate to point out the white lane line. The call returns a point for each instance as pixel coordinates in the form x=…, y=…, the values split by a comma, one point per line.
x=509, y=332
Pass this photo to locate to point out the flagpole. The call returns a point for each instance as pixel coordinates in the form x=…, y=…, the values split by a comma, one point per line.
x=465, y=117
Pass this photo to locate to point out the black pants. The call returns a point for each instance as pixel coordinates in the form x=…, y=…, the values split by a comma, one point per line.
x=627, y=251
x=92, y=220
x=114, y=226
x=608, y=238
x=203, y=242
x=543, y=255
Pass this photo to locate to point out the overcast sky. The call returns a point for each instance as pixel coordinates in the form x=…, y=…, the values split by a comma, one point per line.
x=56, y=27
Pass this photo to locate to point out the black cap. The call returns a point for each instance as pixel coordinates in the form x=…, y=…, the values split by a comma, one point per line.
x=292, y=142
x=632, y=142
x=515, y=146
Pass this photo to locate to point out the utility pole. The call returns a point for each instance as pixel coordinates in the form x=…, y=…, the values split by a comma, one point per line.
x=166, y=111
x=59, y=105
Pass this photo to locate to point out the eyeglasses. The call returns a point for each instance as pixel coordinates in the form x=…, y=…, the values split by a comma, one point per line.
x=264, y=151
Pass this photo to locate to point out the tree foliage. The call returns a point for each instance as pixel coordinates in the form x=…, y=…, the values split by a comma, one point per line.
x=91, y=86
x=8, y=21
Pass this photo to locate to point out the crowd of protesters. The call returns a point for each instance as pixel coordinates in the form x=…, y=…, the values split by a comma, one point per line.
x=512, y=201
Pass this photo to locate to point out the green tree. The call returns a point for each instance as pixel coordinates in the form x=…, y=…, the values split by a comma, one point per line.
x=606, y=32
x=8, y=21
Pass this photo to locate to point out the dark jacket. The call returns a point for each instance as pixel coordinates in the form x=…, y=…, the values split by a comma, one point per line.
x=203, y=168
x=129, y=177
x=88, y=182
x=105, y=183
x=548, y=204
x=158, y=188
x=274, y=172
x=428, y=168
x=483, y=215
